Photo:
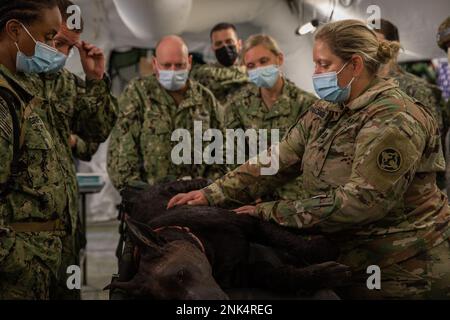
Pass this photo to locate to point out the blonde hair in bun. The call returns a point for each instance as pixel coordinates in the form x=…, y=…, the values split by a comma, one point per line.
x=387, y=51
x=349, y=37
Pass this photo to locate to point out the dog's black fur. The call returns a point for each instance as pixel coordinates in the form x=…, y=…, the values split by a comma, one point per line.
x=227, y=236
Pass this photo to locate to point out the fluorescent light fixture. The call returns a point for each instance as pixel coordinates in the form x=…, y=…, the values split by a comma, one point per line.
x=309, y=27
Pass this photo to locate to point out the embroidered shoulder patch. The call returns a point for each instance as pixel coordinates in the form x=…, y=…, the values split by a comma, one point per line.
x=389, y=160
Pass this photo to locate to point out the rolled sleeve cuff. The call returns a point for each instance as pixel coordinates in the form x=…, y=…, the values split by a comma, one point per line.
x=103, y=85
x=214, y=194
x=265, y=210
x=7, y=238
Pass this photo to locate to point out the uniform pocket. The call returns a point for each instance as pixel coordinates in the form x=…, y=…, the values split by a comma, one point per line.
x=15, y=261
x=202, y=116
x=6, y=244
x=162, y=129
x=45, y=246
x=39, y=150
x=65, y=109
x=315, y=156
x=318, y=152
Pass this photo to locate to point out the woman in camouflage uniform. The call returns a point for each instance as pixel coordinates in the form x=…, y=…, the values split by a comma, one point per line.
x=35, y=191
x=369, y=156
x=271, y=102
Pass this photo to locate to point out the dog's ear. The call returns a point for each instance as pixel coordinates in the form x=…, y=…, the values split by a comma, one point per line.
x=143, y=236
x=132, y=195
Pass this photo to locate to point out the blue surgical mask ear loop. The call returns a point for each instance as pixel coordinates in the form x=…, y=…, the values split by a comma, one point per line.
x=28, y=32
x=351, y=81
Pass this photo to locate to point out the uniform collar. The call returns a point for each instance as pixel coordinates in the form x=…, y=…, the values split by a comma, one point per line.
x=51, y=76
x=285, y=91
x=235, y=67
x=281, y=107
x=283, y=103
x=395, y=72
x=32, y=82
x=193, y=96
x=253, y=90
x=14, y=81
x=376, y=87
x=162, y=96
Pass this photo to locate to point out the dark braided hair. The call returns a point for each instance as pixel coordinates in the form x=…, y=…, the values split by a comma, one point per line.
x=26, y=11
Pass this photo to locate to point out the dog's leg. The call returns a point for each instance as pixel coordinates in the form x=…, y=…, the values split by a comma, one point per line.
x=307, y=249
x=290, y=279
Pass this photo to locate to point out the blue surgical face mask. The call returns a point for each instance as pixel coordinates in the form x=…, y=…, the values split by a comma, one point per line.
x=46, y=59
x=264, y=77
x=327, y=87
x=173, y=80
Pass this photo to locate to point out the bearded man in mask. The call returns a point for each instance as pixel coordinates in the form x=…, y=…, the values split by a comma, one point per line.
x=226, y=76
x=151, y=109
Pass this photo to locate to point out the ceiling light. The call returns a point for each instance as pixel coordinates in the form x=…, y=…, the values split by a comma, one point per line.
x=309, y=27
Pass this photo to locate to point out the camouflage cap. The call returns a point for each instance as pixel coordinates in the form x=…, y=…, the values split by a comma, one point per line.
x=443, y=36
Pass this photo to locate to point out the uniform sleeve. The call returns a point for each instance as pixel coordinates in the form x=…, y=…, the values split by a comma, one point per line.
x=124, y=154
x=215, y=171
x=258, y=176
x=96, y=110
x=431, y=101
x=196, y=72
x=304, y=102
x=386, y=159
x=310, y=99
x=232, y=119
x=6, y=156
x=199, y=74
x=84, y=150
x=217, y=120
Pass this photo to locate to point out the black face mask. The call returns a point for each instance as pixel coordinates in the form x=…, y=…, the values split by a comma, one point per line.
x=227, y=55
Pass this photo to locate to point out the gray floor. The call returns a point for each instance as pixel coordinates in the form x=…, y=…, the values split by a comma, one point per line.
x=102, y=239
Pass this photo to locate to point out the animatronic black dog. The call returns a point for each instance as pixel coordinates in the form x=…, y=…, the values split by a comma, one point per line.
x=196, y=252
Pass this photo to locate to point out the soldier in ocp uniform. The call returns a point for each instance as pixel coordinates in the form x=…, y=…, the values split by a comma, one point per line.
x=151, y=109
x=428, y=94
x=35, y=200
x=270, y=102
x=369, y=156
x=227, y=75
